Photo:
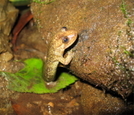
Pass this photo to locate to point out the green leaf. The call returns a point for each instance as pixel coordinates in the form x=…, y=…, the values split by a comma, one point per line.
x=20, y=2
x=29, y=79
x=43, y=2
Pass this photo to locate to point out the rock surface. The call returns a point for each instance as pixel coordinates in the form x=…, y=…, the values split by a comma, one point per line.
x=8, y=15
x=104, y=52
x=97, y=102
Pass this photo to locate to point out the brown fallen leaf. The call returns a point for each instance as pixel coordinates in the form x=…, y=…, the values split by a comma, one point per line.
x=21, y=110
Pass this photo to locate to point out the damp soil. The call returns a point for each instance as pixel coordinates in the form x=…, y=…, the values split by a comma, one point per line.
x=65, y=102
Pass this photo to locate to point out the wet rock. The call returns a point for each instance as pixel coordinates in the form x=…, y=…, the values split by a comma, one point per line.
x=4, y=43
x=104, y=50
x=96, y=102
x=8, y=15
x=5, y=52
x=6, y=57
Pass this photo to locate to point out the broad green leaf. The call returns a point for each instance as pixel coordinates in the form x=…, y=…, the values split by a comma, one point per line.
x=29, y=79
x=27, y=2
x=20, y=2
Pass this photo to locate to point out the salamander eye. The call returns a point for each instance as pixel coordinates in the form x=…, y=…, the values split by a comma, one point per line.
x=65, y=39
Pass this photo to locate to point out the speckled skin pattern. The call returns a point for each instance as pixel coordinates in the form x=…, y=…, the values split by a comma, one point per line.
x=61, y=41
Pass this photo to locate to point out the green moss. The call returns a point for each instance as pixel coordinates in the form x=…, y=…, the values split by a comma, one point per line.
x=119, y=33
x=115, y=61
x=129, y=22
x=118, y=64
x=129, y=53
x=125, y=51
x=123, y=9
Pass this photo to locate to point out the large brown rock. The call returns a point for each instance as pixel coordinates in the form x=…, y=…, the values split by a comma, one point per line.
x=104, y=52
x=97, y=102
